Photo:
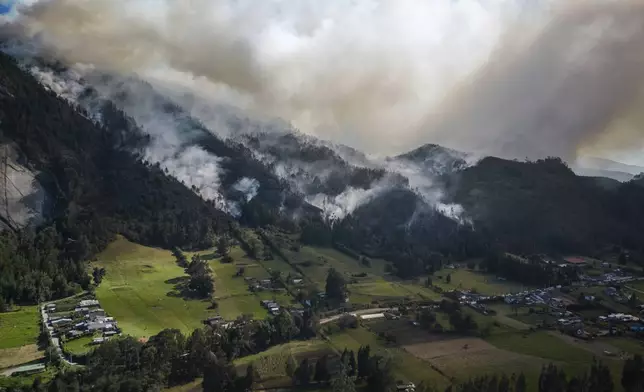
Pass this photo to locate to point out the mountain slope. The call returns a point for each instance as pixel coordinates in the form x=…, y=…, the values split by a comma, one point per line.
x=98, y=187
x=544, y=206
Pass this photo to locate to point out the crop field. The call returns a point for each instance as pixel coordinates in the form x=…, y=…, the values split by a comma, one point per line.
x=19, y=327
x=18, y=355
x=505, y=350
x=462, y=358
x=139, y=290
x=473, y=280
x=406, y=365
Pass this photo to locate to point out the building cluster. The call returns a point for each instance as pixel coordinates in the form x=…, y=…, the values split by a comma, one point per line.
x=86, y=319
x=255, y=284
x=619, y=318
x=272, y=306
x=611, y=278
x=536, y=297
x=617, y=295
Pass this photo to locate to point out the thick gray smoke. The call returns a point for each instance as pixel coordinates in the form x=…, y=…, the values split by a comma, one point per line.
x=503, y=77
x=572, y=87
x=487, y=76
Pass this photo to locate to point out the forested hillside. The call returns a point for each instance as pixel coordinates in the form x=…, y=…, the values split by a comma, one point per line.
x=98, y=188
x=542, y=206
x=272, y=198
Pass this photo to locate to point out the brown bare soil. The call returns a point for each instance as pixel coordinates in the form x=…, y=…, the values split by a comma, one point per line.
x=10, y=357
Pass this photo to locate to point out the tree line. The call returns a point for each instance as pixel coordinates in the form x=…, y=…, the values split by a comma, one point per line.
x=171, y=358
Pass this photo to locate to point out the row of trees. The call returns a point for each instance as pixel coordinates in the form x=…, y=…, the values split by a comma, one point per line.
x=170, y=358
x=530, y=272
x=201, y=283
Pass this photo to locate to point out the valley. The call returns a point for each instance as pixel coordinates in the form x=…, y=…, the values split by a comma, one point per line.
x=140, y=291
x=147, y=245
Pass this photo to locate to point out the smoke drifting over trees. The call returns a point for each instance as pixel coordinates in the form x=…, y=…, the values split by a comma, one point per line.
x=497, y=77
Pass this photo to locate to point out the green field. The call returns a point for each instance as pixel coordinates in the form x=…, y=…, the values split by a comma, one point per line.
x=270, y=365
x=19, y=327
x=138, y=290
x=543, y=345
x=628, y=345
x=80, y=346
x=473, y=280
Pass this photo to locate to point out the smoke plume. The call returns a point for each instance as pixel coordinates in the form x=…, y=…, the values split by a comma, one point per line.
x=499, y=77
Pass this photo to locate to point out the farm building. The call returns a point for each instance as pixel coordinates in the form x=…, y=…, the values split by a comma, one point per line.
x=88, y=303
x=574, y=260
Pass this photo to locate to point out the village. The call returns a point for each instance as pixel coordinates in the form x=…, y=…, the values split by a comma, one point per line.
x=72, y=322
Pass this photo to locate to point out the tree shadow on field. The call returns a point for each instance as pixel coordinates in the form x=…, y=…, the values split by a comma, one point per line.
x=180, y=288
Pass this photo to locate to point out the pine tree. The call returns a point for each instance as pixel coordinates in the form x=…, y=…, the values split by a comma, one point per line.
x=353, y=367
x=633, y=374
x=343, y=383
x=322, y=370
x=344, y=358
x=520, y=385
x=364, y=354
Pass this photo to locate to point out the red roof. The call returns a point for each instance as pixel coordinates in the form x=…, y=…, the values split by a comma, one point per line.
x=574, y=260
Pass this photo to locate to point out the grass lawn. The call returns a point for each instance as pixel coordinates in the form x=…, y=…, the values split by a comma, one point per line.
x=637, y=285
x=232, y=307
x=628, y=345
x=481, y=282
x=541, y=344
x=80, y=346
x=138, y=290
x=19, y=327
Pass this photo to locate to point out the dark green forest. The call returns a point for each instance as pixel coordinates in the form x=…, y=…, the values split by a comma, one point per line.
x=97, y=187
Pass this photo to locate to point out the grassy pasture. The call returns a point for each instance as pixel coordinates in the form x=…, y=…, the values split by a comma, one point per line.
x=80, y=346
x=139, y=290
x=270, y=365
x=483, y=283
x=19, y=327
